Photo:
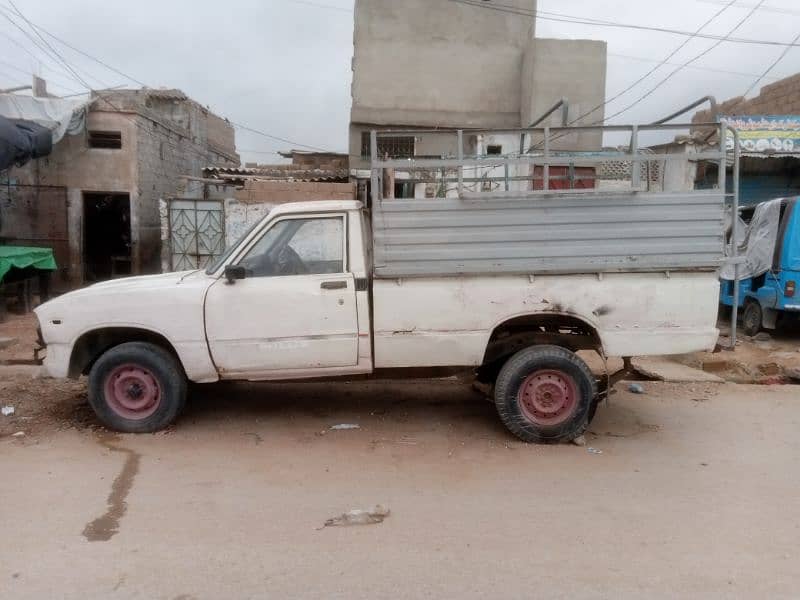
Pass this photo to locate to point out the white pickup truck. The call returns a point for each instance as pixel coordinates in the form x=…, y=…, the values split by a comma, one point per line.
x=333, y=290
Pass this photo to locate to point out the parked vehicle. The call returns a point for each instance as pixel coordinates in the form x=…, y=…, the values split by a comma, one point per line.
x=770, y=293
x=509, y=284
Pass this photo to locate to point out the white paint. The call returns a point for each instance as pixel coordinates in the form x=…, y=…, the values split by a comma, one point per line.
x=448, y=321
x=289, y=327
x=307, y=327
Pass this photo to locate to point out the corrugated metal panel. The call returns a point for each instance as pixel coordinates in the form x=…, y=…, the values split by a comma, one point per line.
x=584, y=233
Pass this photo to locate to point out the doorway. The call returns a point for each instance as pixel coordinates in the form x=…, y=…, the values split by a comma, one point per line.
x=106, y=236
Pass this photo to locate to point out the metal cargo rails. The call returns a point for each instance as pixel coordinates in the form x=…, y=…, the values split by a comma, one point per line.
x=524, y=230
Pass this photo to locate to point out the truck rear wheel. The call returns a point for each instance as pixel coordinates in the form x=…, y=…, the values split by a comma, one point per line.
x=137, y=387
x=544, y=394
x=753, y=318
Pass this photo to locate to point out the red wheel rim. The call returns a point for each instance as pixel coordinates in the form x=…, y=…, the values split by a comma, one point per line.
x=132, y=392
x=548, y=397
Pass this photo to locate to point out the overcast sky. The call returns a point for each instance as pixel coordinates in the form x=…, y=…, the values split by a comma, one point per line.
x=283, y=66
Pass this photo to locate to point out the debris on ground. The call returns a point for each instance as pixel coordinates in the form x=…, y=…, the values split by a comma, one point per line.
x=19, y=434
x=591, y=450
x=580, y=440
x=636, y=388
x=663, y=369
x=358, y=516
x=345, y=426
x=7, y=411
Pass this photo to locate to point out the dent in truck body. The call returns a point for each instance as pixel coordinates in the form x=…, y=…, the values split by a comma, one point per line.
x=447, y=321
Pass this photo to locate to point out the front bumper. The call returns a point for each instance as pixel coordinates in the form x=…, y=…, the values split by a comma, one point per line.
x=56, y=363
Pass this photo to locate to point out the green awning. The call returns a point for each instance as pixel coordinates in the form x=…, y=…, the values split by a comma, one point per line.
x=26, y=256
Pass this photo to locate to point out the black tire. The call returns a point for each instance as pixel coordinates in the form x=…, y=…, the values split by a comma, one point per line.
x=752, y=318
x=543, y=359
x=158, y=366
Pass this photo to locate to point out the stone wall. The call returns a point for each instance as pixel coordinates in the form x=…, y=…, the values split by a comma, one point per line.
x=779, y=98
x=279, y=192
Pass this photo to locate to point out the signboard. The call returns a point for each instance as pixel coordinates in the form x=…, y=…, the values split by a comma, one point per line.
x=773, y=134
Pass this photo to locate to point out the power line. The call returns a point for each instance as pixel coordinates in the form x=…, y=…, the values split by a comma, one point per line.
x=673, y=64
x=687, y=63
x=658, y=66
x=48, y=53
x=275, y=137
x=562, y=18
x=772, y=9
x=239, y=125
x=772, y=66
x=81, y=52
x=29, y=74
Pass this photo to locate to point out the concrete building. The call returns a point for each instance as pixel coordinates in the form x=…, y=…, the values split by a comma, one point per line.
x=447, y=65
x=108, y=180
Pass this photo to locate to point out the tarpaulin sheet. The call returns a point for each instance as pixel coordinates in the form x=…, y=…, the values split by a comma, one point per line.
x=25, y=256
x=758, y=243
x=59, y=115
x=21, y=141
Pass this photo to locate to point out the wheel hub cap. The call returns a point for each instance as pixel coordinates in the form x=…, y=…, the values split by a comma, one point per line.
x=132, y=392
x=548, y=397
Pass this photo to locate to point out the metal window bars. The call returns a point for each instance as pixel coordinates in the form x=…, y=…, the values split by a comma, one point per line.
x=537, y=160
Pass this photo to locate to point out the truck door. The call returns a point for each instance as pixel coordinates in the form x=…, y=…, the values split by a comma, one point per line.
x=295, y=309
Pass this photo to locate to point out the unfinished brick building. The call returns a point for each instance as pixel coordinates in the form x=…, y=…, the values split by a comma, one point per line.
x=97, y=195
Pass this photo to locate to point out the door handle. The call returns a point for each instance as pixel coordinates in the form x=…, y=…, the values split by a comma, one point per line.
x=333, y=285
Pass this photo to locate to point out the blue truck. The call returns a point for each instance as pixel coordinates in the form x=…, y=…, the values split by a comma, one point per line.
x=772, y=294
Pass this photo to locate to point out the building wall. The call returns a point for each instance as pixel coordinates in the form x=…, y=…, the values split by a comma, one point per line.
x=571, y=69
x=79, y=168
x=779, y=98
x=279, y=192
x=163, y=138
x=438, y=63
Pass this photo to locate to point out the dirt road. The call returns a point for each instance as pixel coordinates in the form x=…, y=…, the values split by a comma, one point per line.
x=695, y=494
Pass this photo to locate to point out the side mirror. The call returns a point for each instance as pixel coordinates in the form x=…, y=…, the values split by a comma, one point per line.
x=234, y=272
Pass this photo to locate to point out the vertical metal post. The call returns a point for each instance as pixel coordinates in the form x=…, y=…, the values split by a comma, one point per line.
x=723, y=160
x=460, y=151
x=375, y=182
x=734, y=231
x=546, y=168
x=636, y=172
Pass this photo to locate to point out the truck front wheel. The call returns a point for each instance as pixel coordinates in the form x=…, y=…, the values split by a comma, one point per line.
x=544, y=394
x=137, y=387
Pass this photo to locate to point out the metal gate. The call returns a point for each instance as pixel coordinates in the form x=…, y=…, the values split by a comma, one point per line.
x=196, y=232
x=36, y=215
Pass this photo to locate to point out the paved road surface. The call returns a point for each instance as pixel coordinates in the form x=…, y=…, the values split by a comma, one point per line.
x=695, y=494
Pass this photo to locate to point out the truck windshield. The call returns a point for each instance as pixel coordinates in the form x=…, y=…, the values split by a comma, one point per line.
x=225, y=255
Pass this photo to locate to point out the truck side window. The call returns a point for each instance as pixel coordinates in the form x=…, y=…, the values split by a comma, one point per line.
x=298, y=247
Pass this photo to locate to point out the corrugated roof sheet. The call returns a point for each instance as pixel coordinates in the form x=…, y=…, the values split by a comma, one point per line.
x=276, y=173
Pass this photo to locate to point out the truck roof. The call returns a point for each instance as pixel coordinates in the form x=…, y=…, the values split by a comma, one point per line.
x=316, y=206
